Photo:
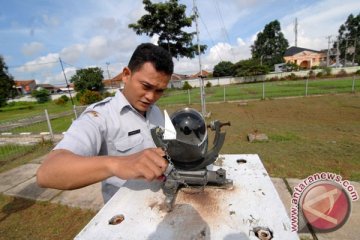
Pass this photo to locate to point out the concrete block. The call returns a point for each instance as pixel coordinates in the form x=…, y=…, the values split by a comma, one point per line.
x=260, y=137
x=283, y=192
x=17, y=176
x=89, y=197
x=31, y=190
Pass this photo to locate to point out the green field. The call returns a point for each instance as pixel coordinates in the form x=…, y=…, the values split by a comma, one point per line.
x=306, y=135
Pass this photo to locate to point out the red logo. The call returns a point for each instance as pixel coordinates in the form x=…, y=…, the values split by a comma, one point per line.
x=325, y=206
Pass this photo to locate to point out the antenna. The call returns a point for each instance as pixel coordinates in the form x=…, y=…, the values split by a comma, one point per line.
x=202, y=90
x=296, y=31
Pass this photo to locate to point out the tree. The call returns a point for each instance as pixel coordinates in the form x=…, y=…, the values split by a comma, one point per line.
x=270, y=45
x=88, y=79
x=223, y=68
x=7, y=84
x=41, y=95
x=166, y=20
x=249, y=67
x=349, y=38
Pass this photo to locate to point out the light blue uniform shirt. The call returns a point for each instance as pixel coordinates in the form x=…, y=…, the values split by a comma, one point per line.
x=111, y=127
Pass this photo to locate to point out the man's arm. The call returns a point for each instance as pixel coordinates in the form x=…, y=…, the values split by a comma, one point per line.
x=62, y=169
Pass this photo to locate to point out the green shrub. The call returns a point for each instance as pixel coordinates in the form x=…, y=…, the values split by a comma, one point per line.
x=319, y=74
x=89, y=97
x=186, y=86
x=41, y=96
x=65, y=98
x=327, y=71
x=208, y=84
x=341, y=73
x=59, y=101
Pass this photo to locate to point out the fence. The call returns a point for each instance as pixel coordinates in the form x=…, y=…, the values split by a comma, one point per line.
x=262, y=90
x=19, y=136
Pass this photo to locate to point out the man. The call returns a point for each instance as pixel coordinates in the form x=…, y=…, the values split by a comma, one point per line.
x=111, y=140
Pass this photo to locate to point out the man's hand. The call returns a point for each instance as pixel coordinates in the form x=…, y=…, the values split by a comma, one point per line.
x=149, y=164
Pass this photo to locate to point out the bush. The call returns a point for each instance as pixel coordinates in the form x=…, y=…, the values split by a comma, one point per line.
x=208, y=84
x=107, y=94
x=341, y=73
x=319, y=74
x=60, y=101
x=186, y=86
x=326, y=71
x=41, y=96
x=65, y=98
x=89, y=97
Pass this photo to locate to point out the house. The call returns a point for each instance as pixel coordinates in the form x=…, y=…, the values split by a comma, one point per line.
x=116, y=82
x=25, y=86
x=203, y=74
x=305, y=58
x=49, y=87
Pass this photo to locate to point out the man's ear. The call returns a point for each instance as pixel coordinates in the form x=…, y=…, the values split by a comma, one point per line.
x=126, y=74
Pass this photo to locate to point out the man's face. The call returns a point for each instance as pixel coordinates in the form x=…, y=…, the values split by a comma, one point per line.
x=144, y=87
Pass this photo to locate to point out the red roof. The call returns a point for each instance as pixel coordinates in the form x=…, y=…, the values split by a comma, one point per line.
x=23, y=83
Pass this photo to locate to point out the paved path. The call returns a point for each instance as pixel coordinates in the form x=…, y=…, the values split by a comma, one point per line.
x=21, y=182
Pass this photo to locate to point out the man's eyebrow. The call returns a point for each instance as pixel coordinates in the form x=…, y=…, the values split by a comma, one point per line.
x=147, y=84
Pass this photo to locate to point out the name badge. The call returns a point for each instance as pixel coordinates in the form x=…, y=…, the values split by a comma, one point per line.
x=134, y=132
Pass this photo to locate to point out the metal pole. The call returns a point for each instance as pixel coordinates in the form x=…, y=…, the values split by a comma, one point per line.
x=107, y=68
x=189, y=96
x=224, y=94
x=201, y=80
x=67, y=84
x=263, y=90
x=75, y=113
x=353, y=84
x=306, y=86
x=49, y=124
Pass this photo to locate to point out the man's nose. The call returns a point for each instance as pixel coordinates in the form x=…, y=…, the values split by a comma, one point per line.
x=150, y=95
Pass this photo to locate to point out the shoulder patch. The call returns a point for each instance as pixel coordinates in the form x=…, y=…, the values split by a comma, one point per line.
x=93, y=113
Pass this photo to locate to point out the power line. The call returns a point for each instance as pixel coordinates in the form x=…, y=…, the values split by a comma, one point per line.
x=223, y=28
x=32, y=64
x=212, y=41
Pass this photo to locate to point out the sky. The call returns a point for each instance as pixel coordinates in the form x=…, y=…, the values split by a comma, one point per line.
x=35, y=34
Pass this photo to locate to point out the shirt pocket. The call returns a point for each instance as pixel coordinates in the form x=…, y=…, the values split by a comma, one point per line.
x=128, y=143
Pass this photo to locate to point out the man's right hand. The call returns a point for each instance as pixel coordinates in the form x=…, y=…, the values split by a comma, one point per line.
x=148, y=164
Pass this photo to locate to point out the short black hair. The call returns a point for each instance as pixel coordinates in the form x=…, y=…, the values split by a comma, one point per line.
x=158, y=56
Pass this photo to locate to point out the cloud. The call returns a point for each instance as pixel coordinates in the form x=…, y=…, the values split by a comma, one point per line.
x=73, y=53
x=98, y=48
x=40, y=64
x=327, y=21
x=29, y=49
x=50, y=21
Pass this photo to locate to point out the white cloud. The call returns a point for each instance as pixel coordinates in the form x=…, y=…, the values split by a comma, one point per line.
x=73, y=53
x=32, y=48
x=41, y=63
x=329, y=16
x=98, y=48
x=50, y=21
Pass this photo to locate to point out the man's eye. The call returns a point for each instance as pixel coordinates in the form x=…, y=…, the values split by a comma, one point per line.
x=146, y=87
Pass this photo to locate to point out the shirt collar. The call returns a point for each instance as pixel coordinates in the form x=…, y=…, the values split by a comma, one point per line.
x=121, y=103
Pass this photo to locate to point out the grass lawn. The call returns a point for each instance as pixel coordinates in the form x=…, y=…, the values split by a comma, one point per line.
x=306, y=135
x=27, y=219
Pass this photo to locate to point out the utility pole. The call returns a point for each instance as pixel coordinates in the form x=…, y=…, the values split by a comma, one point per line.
x=107, y=68
x=296, y=31
x=201, y=80
x=328, y=52
x=353, y=59
x=337, y=53
x=67, y=84
x=346, y=49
